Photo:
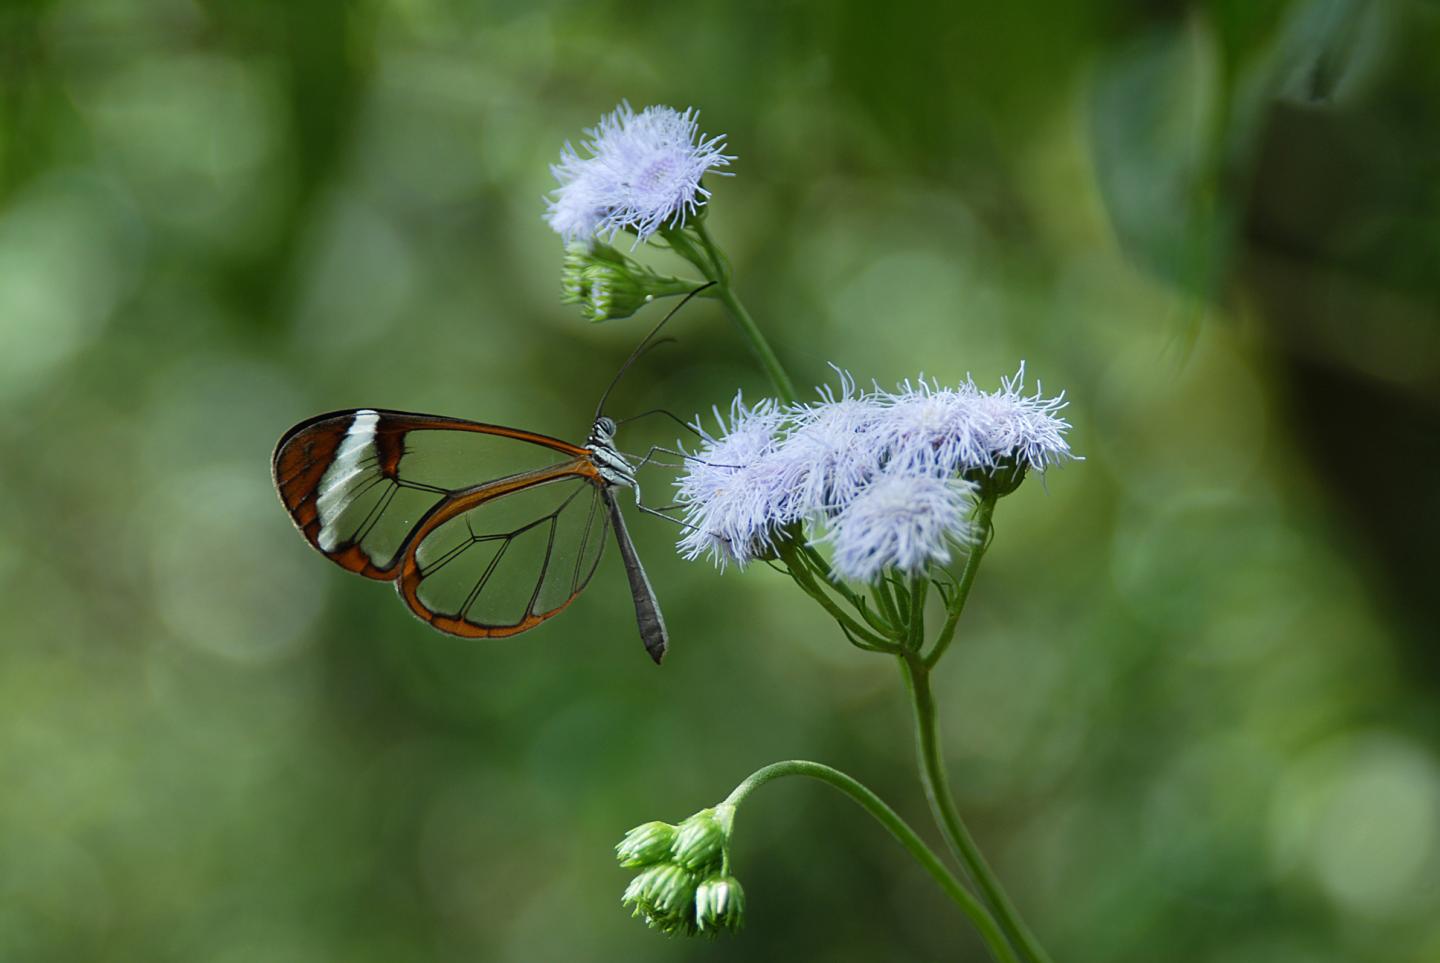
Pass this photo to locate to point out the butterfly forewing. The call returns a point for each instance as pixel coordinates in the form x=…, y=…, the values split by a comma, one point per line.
x=450, y=459
x=359, y=483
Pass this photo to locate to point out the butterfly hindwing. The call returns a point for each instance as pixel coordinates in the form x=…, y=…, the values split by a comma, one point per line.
x=502, y=558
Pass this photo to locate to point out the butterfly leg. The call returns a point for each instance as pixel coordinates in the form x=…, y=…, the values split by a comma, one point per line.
x=659, y=513
x=648, y=458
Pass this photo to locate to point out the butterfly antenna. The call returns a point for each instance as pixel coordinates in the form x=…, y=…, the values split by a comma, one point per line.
x=645, y=345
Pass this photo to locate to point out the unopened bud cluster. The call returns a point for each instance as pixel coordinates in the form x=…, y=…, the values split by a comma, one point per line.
x=608, y=285
x=682, y=887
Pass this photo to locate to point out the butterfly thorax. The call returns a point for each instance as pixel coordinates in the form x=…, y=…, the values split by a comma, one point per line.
x=613, y=466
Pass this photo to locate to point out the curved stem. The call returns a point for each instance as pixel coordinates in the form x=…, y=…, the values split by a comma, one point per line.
x=887, y=817
x=713, y=265
x=984, y=511
x=942, y=804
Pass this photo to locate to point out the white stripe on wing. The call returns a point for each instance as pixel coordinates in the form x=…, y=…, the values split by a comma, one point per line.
x=335, y=490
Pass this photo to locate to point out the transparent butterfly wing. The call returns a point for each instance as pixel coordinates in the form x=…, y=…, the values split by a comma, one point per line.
x=504, y=557
x=359, y=483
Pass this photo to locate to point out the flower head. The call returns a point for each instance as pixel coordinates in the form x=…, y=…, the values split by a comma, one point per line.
x=829, y=450
x=732, y=498
x=929, y=428
x=964, y=429
x=1025, y=430
x=905, y=521
x=640, y=172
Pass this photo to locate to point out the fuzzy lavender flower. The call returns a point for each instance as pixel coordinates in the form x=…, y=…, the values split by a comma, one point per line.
x=829, y=450
x=903, y=521
x=732, y=498
x=640, y=172
x=928, y=428
x=1025, y=430
x=890, y=476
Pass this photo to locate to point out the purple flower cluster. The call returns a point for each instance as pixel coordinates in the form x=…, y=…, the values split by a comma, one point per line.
x=886, y=478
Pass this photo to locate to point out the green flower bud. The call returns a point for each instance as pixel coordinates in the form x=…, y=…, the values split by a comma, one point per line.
x=681, y=925
x=609, y=285
x=700, y=839
x=646, y=845
x=664, y=895
x=720, y=904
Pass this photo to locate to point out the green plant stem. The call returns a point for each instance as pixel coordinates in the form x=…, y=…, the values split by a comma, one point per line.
x=823, y=572
x=887, y=817
x=937, y=792
x=671, y=287
x=984, y=512
x=885, y=601
x=918, y=591
x=821, y=568
x=713, y=265
x=799, y=570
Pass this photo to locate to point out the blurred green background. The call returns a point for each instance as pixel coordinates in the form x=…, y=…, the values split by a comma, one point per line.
x=1193, y=711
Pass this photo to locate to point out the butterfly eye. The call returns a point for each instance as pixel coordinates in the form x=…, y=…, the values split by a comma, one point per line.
x=605, y=424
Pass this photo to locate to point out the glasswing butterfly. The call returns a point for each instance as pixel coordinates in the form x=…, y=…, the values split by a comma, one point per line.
x=486, y=531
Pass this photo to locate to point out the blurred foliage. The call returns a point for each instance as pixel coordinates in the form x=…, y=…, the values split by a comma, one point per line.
x=1193, y=709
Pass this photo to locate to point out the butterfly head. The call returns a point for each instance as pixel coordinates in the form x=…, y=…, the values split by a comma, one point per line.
x=603, y=431
x=614, y=467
